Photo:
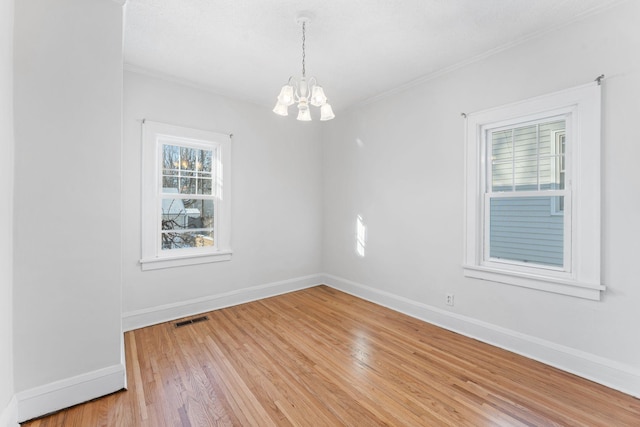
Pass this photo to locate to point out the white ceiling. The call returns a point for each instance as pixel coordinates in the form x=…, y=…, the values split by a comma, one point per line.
x=357, y=49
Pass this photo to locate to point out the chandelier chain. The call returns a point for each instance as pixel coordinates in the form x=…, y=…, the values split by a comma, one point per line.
x=303, y=50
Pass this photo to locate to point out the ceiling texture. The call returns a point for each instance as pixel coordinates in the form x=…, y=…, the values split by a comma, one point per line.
x=357, y=49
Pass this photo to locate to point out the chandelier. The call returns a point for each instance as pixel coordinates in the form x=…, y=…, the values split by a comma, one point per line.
x=303, y=91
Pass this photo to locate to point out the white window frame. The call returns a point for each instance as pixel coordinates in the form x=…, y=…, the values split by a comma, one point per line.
x=154, y=136
x=580, y=277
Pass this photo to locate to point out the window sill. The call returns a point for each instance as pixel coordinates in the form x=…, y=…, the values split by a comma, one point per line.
x=179, y=261
x=549, y=284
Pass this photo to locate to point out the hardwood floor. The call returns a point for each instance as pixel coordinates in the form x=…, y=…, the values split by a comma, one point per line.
x=319, y=357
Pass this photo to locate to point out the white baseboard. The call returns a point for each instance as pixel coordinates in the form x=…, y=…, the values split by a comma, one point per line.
x=58, y=395
x=9, y=415
x=164, y=313
x=604, y=371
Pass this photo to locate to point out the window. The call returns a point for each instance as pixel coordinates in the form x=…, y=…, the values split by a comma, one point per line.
x=185, y=200
x=520, y=191
x=533, y=193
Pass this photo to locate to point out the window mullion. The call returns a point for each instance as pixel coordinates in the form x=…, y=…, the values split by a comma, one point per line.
x=185, y=196
x=532, y=193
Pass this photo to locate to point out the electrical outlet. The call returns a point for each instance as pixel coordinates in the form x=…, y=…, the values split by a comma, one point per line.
x=449, y=299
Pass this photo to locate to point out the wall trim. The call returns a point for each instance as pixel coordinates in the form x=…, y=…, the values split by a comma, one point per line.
x=484, y=55
x=65, y=393
x=163, y=313
x=155, y=74
x=9, y=415
x=610, y=373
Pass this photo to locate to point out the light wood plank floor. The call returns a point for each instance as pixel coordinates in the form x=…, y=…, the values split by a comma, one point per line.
x=319, y=357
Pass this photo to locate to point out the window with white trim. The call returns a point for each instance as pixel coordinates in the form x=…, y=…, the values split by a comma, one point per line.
x=533, y=193
x=185, y=196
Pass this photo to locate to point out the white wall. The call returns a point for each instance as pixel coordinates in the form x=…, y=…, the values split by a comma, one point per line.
x=6, y=208
x=68, y=125
x=275, y=193
x=398, y=162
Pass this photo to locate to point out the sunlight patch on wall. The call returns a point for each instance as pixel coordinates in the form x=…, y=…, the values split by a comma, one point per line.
x=361, y=236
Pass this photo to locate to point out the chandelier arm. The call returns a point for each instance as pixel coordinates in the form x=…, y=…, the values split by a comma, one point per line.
x=312, y=82
x=293, y=82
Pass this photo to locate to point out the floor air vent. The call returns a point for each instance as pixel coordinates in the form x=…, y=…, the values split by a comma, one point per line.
x=191, y=321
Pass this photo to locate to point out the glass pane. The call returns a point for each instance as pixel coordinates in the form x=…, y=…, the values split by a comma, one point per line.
x=205, y=184
x=185, y=219
x=502, y=163
x=552, y=145
x=548, y=133
x=206, y=160
x=188, y=185
x=170, y=157
x=526, y=175
x=546, y=173
x=502, y=146
x=169, y=183
x=187, y=170
x=528, y=158
x=188, y=158
x=552, y=173
x=524, y=229
x=525, y=142
x=186, y=239
x=180, y=214
x=502, y=176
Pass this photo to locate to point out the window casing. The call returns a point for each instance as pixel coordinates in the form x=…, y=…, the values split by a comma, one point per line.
x=533, y=193
x=185, y=196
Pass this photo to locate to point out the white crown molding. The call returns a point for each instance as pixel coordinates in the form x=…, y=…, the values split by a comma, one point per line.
x=164, y=313
x=62, y=394
x=120, y=2
x=474, y=59
x=601, y=370
x=186, y=82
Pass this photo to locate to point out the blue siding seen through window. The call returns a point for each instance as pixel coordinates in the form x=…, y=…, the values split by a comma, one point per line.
x=522, y=229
